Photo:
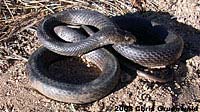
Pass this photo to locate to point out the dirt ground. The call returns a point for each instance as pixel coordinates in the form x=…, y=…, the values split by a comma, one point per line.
x=18, y=41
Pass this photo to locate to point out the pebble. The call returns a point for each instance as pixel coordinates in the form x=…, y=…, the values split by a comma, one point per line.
x=158, y=103
x=145, y=87
x=169, y=88
x=149, y=104
x=45, y=100
x=177, y=86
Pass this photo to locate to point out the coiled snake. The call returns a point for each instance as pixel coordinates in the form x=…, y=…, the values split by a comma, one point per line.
x=109, y=33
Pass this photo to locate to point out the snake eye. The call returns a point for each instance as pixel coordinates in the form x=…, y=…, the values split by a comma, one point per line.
x=130, y=38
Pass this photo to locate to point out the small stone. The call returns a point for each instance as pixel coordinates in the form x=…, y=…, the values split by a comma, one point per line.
x=177, y=86
x=88, y=65
x=145, y=87
x=169, y=88
x=45, y=100
x=158, y=103
x=155, y=86
x=149, y=104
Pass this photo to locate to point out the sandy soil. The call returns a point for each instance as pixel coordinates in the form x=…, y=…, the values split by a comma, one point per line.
x=181, y=16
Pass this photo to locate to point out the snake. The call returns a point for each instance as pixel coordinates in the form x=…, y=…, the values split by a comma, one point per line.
x=110, y=32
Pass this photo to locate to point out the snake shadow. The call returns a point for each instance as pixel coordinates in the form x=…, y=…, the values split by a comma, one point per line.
x=139, y=24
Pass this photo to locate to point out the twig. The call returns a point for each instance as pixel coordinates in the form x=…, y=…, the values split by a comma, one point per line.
x=27, y=26
x=2, y=37
x=8, y=9
x=115, y=7
x=70, y=2
x=71, y=107
x=47, y=8
x=123, y=4
x=16, y=57
x=81, y=1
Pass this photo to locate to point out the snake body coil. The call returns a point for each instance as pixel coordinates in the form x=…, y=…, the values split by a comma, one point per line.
x=73, y=93
x=108, y=34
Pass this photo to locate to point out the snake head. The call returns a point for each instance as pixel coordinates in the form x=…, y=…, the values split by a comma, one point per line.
x=117, y=36
x=125, y=37
x=129, y=38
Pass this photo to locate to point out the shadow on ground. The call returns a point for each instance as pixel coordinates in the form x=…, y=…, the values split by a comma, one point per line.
x=190, y=36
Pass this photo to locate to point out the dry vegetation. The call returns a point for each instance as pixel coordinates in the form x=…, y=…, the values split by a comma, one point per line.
x=18, y=22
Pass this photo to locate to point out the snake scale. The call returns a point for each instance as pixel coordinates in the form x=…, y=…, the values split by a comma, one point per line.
x=60, y=41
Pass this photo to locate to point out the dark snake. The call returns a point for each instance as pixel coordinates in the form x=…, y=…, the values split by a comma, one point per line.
x=109, y=33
